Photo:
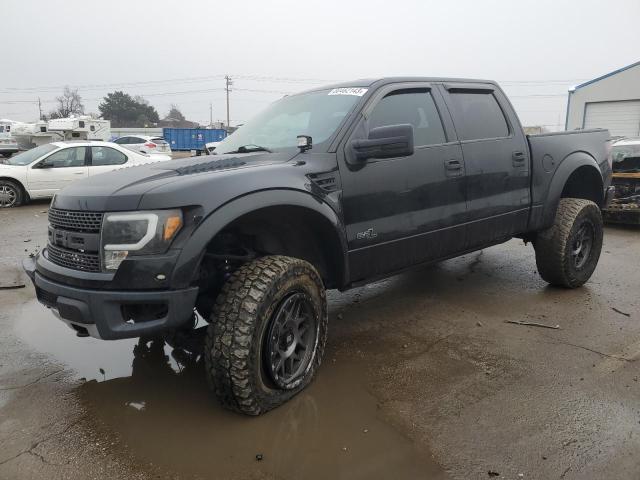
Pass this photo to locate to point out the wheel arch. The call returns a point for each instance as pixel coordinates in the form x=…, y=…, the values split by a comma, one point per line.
x=274, y=215
x=578, y=176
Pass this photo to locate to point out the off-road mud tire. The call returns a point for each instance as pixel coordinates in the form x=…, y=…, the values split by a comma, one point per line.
x=553, y=246
x=238, y=325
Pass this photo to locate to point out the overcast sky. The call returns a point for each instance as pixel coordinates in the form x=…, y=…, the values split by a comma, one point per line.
x=161, y=49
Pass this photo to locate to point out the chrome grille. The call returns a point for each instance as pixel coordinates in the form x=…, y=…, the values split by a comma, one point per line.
x=87, y=222
x=88, y=262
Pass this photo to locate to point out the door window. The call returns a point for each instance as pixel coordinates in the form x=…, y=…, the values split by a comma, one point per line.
x=106, y=156
x=415, y=107
x=478, y=115
x=67, y=157
x=121, y=140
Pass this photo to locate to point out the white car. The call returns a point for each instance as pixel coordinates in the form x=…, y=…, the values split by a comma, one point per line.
x=144, y=144
x=42, y=171
x=210, y=147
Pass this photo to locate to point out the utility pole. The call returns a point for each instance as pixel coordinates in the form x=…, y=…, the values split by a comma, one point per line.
x=211, y=114
x=228, y=83
x=39, y=108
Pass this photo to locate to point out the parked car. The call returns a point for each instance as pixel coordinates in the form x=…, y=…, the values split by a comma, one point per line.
x=328, y=189
x=144, y=144
x=625, y=207
x=44, y=170
x=210, y=148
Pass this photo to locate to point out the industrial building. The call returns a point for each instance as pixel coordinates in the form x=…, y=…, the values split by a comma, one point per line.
x=611, y=101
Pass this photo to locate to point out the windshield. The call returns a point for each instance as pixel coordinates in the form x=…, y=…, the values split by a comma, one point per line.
x=316, y=114
x=25, y=158
x=626, y=158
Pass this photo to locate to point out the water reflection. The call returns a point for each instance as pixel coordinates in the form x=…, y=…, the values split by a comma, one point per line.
x=155, y=401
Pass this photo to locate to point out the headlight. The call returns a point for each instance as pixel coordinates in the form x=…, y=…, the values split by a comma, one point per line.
x=137, y=233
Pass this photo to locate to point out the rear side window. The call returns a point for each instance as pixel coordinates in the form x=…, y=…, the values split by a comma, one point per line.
x=415, y=107
x=478, y=115
x=122, y=140
x=106, y=156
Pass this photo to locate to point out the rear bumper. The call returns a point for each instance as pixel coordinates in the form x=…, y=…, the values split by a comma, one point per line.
x=9, y=148
x=111, y=315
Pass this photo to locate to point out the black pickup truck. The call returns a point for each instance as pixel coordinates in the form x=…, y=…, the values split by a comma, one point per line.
x=327, y=189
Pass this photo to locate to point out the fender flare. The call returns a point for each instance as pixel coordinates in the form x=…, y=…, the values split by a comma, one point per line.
x=194, y=248
x=566, y=168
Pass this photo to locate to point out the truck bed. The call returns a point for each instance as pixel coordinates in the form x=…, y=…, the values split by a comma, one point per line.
x=552, y=152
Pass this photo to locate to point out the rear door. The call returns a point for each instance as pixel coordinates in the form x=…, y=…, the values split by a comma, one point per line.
x=58, y=170
x=105, y=159
x=496, y=158
x=403, y=211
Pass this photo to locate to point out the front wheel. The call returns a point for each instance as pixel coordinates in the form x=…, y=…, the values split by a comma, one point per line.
x=267, y=334
x=567, y=253
x=10, y=194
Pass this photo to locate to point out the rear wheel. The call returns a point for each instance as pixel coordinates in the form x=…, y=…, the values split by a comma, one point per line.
x=267, y=334
x=10, y=194
x=567, y=253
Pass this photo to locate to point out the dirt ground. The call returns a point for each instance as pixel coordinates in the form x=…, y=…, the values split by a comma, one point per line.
x=422, y=379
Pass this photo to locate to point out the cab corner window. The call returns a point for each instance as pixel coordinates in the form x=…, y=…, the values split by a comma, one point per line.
x=478, y=115
x=412, y=106
x=106, y=156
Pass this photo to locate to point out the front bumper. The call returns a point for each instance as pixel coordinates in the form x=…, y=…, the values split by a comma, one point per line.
x=111, y=315
x=625, y=213
x=609, y=195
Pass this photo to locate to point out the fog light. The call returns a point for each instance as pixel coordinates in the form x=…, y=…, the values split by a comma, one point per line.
x=113, y=258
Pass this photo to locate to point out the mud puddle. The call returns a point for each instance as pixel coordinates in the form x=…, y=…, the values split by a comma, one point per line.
x=155, y=402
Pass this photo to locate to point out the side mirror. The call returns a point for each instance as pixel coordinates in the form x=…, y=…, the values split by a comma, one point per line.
x=43, y=164
x=390, y=141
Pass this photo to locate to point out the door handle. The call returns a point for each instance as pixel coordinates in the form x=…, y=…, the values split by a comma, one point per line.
x=518, y=158
x=78, y=173
x=453, y=164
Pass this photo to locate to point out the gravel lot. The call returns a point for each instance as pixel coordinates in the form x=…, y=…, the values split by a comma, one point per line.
x=423, y=379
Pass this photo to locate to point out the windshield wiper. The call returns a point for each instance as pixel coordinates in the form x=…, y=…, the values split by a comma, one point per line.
x=251, y=148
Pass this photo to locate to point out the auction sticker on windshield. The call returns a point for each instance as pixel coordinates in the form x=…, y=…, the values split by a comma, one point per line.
x=357, y=91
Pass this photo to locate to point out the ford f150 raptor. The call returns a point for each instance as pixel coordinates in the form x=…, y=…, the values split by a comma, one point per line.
x=327, y=189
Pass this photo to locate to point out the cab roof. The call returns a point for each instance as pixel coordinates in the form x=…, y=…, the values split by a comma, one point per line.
x=377, y=82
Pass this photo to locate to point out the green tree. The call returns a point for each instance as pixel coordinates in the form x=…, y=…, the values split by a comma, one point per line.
x=126, y=111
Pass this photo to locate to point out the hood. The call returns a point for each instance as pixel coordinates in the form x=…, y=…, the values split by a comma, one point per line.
x=6, y=166
x=124, y=188
x=627, y=165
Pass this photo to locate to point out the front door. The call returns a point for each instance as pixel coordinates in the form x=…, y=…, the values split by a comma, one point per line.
x=403, y=211
x=57, y=171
